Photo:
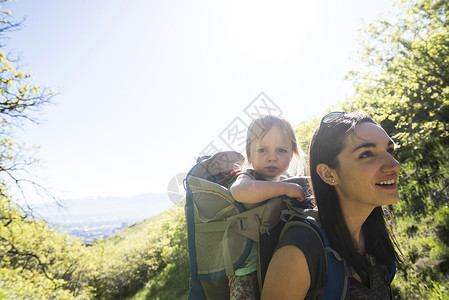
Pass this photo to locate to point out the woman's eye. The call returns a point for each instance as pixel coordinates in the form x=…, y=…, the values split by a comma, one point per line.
x=366, y=154
x=392, y=151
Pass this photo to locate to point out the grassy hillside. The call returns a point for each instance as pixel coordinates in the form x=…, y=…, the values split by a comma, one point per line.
x=37, y=262
x=424, y=242
x=150, y=256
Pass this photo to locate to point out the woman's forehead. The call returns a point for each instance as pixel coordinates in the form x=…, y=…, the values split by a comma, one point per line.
x=367, y=133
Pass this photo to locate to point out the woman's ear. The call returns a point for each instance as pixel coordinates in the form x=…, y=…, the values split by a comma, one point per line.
x=326, y=174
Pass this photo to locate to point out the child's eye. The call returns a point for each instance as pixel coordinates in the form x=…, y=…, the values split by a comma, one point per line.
x=366, y=154
x=282, y=150
x=261, y=150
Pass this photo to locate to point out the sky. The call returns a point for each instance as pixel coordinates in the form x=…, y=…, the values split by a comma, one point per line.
x=144, y=87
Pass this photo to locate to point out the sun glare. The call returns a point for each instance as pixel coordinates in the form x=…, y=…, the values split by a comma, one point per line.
x=261, y=30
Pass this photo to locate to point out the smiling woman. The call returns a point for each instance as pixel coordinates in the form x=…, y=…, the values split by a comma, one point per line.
x=353, y=173
x=366, y=167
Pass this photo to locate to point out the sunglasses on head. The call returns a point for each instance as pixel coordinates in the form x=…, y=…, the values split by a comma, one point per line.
x=331, y=117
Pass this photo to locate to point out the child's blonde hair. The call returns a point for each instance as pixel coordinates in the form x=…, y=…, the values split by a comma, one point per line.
x=259, y=128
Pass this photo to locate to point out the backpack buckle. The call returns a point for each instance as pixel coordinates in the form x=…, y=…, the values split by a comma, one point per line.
x=242, y=224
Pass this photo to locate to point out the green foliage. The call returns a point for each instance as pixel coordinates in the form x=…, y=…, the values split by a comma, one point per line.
x=39, y=263
x=36, y=262
x=442, y=223
x=404, y=84
x=171, y=283
x=424, y=180
x=424, y=276
x=20, y=101
x=151, y=255
x=304, y=132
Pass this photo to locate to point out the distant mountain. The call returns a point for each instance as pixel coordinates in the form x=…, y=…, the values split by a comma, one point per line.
x=94, y=218
x=136, y=207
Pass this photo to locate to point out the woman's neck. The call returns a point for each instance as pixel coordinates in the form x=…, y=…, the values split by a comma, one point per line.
x=355, y=218
x=359, y=240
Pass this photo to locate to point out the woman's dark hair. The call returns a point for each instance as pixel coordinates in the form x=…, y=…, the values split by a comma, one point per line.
x=326, y=144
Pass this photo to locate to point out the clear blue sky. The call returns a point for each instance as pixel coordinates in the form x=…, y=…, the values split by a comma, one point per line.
x=145, y=86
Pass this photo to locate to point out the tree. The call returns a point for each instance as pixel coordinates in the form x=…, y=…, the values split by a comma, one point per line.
x=20, y=101
x=35, y=262
x=404, y=83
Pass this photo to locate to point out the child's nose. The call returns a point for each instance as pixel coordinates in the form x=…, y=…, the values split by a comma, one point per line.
x=272, y=155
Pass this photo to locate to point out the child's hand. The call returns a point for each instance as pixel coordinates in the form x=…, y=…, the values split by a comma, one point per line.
x=295, y=191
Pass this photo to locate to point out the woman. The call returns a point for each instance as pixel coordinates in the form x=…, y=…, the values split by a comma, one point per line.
x=353, y=173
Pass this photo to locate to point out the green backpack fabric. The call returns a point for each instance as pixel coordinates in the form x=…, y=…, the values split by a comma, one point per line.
x=221, y=231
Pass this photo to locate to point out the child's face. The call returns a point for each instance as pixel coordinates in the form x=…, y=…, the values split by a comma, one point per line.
x=271, y=155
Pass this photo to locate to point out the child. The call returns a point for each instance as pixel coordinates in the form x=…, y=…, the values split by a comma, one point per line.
x=271, y=145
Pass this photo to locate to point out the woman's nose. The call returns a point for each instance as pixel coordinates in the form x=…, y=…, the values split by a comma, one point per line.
x=391, y=164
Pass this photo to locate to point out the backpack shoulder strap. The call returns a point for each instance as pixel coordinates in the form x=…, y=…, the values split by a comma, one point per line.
x=337, y=272
x=229, y=179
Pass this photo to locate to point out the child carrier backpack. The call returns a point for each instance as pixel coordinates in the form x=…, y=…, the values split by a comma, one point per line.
x=338, y=272
x=220, y=230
